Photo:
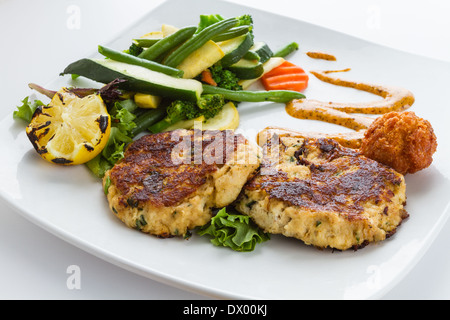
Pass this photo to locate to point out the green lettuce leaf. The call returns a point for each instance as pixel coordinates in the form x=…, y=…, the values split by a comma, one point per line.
x=235, y=231
x=113, y=152
x=122, y=116
x=27, y=109
x=122, y=123
x=208, y=19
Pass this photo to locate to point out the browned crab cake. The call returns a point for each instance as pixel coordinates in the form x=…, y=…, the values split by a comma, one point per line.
x=324, y=194
x=168, y=183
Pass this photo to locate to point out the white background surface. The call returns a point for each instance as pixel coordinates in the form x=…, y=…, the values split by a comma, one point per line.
x=39, y=38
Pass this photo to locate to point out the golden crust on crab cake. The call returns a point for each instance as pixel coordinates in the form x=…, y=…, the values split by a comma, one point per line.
x=324, y=194
x=168, y=183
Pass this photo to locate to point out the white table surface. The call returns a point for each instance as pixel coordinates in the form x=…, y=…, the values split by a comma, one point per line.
x=39, y=38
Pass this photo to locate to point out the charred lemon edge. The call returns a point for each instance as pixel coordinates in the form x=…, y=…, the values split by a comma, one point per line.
x=86, y=151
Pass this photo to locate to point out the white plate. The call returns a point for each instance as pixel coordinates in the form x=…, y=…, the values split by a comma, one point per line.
x=69, y=201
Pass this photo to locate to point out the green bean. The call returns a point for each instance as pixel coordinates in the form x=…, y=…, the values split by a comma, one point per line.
x=145, y=43
x=168, y=43
x=130, y=59
x=232, y=33
x=198, y=40
x=280, y=96
x=147, y=118
x=288, y=49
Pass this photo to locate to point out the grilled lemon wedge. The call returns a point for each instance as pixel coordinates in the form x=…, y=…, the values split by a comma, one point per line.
x=70, y=130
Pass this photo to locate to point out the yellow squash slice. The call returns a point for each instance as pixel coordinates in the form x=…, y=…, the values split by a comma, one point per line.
x=226, y=119
x=201, y=59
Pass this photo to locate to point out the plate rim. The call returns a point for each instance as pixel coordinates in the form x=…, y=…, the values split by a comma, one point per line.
x=188, y=285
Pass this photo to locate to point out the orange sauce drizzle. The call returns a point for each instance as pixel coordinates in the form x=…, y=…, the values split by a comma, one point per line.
x=343, y=114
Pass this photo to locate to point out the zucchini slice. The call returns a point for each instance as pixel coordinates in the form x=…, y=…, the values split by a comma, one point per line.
x=234, y=49
x=247, y=69
x=138, y=79
x=260, y=49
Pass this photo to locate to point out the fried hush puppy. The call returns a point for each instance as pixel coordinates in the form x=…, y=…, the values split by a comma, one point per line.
x=401, y=140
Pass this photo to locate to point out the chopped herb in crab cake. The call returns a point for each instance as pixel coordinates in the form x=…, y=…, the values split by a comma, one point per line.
x=168, y=183
x=324, y=194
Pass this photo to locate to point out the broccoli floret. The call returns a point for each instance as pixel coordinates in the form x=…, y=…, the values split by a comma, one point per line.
x=225, y=78
x=177, y=111
x=181, y=110
x=134, y=50
x=245, y=20
x=209, y=105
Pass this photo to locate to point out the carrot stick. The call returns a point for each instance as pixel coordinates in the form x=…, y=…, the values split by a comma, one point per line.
x=207, y=78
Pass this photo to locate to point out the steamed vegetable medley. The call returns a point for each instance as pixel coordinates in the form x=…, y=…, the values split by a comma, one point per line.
x=166, y=80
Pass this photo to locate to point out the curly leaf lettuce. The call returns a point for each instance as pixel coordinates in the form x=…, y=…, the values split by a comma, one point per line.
x=122, y=118
x=235, y=231
x=27, y=109
x=208, y=19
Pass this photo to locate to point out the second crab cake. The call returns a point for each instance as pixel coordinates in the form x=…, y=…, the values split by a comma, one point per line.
x=168, y=183
x=324, y=194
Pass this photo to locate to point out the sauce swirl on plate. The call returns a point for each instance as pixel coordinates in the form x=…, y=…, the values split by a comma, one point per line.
x=348, y=114
x=394, y=98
